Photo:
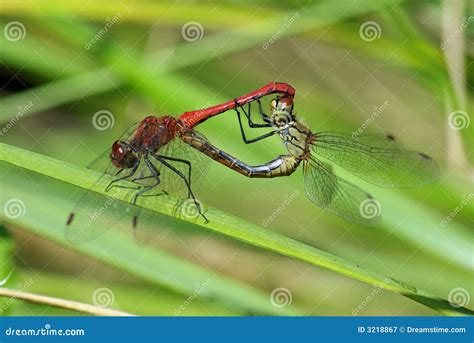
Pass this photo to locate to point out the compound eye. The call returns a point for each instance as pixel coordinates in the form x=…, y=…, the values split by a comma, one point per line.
x=118, y=150
x=121, y=156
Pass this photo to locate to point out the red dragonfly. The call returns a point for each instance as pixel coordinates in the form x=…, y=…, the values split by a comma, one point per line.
x=158, y=153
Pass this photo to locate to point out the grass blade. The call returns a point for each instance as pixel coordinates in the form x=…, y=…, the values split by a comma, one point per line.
x=231, y=226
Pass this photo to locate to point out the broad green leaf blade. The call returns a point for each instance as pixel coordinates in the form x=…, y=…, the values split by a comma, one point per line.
x=231, y=226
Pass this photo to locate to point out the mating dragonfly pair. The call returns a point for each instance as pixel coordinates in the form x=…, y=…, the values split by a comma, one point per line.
x=167, y=153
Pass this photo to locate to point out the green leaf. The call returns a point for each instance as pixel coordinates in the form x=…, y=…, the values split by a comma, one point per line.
x=7, y=266
x=226, y=224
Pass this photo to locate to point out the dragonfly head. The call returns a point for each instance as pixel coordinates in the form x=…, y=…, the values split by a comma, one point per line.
x=281, y=111
x=122, y=155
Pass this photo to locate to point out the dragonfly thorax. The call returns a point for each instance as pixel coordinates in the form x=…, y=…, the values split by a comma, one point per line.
x=297, y=139
x=153, y=133
x=294, y=134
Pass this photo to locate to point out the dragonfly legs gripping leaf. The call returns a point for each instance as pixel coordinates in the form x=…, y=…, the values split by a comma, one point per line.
x=155, y=174
x=163, y=159
x=112, y=183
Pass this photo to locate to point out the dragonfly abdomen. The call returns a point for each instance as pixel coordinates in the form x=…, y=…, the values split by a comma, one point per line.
x=281, y=166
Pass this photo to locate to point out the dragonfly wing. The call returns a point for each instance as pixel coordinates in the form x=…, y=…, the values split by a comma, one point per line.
x=382, y=164
x=339, y=196
x=171, y=181
x=95, y=213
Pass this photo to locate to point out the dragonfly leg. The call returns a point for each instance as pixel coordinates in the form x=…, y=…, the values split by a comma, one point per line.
x=247, y=114
x=181, y=161
x=181, y=175
x=132, y=172
x=156, y=175
x=146, y=178
x=265, y=118
x=138, y=187
x=242, y=131
x=142, y=178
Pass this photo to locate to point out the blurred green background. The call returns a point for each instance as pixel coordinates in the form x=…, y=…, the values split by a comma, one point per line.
x=404, y=68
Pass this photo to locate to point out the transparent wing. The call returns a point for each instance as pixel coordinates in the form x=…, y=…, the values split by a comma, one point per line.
x=379, y=161
x=96, y=213
x=177, y=150
x=378, y=141
x=339, y=196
